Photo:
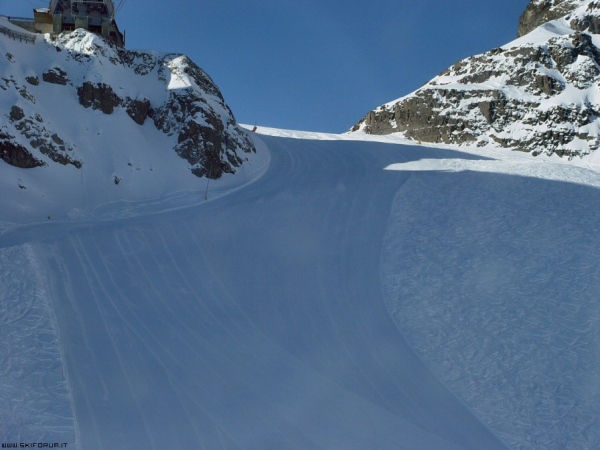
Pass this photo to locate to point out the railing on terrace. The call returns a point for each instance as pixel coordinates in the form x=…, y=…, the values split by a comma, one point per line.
x=19, y=19
x=17, y=35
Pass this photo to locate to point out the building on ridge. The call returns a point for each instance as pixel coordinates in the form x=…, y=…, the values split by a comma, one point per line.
x=96, y=16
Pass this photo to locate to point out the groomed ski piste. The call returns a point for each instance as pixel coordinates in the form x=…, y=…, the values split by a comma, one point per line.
x=353, y=292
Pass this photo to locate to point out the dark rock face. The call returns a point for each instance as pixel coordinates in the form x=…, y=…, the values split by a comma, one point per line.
x=101, y=96
x=98, y=96
x=209, y=140
x=35, y=81
x=55, y=76
x=510, y=96
x=15, y=154
x=16, y=114
x=47, y=142
x=202, y=139
x=138, y=110
x=588, y=20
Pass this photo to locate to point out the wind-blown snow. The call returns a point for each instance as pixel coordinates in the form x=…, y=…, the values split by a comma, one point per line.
x=357, y=294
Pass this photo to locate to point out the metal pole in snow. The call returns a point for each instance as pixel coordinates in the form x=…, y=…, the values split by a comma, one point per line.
x=207, y=181
x=82, y=190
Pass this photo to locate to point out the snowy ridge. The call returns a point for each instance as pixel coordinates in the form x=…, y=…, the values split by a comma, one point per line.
x=537, y=94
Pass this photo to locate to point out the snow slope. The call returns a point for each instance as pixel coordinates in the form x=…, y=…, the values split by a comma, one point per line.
x=358, y=294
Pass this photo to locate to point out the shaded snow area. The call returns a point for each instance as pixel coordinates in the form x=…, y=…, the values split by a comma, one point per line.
x=354, y=294
x=494, y=281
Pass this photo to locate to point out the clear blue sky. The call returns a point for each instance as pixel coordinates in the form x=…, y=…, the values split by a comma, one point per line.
x=316, y=65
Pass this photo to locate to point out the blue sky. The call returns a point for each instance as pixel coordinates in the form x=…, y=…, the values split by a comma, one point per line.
x=314, y=65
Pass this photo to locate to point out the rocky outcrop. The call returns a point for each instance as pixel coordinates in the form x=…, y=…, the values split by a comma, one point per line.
x=538, y=12
x=205, y=139
x=532, y=96
x=588, y=19
x=98, y=96
x=39, y=137
x=15, y=154
x=138, y=109
x=55, y=76
x=178, y=96
x=101, y=96
x=33, y=80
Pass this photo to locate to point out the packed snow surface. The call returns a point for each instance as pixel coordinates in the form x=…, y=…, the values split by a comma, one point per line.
x=350, y=294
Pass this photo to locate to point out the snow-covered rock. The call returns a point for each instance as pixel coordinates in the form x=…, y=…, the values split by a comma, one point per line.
x=538, y=93
x=538, y=12
x=66, y=80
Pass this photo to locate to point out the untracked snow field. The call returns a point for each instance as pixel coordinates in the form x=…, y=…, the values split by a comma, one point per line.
x=358, y=294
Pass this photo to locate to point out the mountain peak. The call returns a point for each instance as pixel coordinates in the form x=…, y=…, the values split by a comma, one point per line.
x=537, y=94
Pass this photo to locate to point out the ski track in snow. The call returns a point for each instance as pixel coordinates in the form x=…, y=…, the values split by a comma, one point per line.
x=33, y=388
x=253, y=321
x=287, y=314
